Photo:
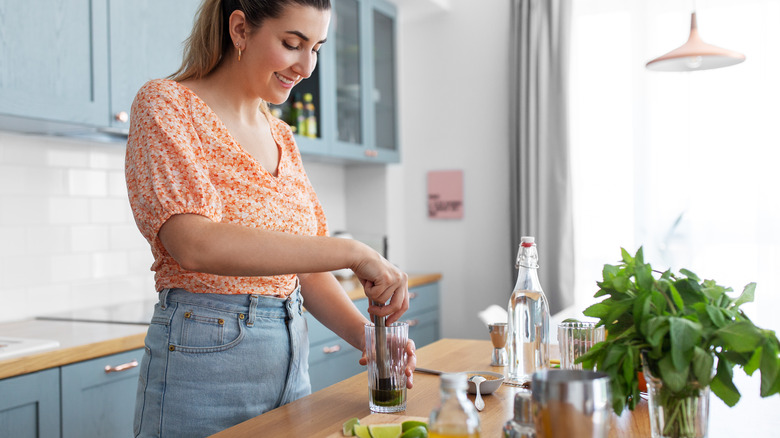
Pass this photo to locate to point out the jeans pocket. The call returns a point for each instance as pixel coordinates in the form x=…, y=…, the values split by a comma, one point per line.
x=205, y=330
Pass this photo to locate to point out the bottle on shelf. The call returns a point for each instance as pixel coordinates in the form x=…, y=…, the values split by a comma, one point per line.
x=296, y=117
x=310, y=116
x=528, y=343
x=455, y=417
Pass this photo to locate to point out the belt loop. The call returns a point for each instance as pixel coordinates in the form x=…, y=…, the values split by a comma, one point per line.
x=250, y=322
x=300, y=299
x=164, y=298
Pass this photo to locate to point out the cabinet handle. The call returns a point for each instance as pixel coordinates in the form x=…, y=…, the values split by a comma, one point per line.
x=412, y=295
x=371, y=153
x=121, y=116
x=120, y=368
x=333, y=349
x=412, y=322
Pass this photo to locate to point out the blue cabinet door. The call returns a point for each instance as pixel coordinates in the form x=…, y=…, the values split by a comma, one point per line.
x=30, y=405
x=147, y=41
x=54, y=56
x=98, y=396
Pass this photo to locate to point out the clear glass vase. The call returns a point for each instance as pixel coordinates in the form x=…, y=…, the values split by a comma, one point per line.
x=682, y=414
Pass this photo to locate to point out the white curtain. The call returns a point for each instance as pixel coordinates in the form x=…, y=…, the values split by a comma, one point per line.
x=540, y=193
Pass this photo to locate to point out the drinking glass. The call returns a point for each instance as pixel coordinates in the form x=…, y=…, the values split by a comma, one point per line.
x=387, y=379
x=576, y=339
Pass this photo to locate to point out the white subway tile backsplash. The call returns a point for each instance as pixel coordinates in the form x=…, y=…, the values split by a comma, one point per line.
x=85, y=238
x=23, y=210
x=109, y=264
x=69, y=210
x=117, y=186
x=127, y=237
x=107, y=157
x=87, y=182
x=109, y=211
x=67, y=157
x=45, y=240
x=71, y=267
x=13, y=241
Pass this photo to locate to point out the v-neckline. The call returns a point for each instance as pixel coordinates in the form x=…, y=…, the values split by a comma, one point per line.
x=235, y=142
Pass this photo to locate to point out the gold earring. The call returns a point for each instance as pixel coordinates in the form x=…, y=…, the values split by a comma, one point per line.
x=239, y=51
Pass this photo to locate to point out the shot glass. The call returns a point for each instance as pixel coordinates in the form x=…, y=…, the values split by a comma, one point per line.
x=498, y=334
x=386, y=379
x=576, y=339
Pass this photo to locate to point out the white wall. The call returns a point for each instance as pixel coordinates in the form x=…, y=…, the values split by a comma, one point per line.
x=453, y=98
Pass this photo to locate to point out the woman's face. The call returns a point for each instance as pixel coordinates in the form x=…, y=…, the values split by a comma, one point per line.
x=283, y=50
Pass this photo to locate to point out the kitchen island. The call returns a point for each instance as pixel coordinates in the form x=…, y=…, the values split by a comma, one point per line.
x=322, y=413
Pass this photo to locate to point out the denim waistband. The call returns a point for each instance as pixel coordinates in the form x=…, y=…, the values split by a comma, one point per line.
x=252, y=305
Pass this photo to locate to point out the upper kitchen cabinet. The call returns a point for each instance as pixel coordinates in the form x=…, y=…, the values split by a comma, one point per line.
x=147, y=40
x=54, y=56
x=82, y=61
x=364, y=72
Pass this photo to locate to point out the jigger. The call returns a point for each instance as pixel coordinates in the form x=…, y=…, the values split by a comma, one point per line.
x=497, y=332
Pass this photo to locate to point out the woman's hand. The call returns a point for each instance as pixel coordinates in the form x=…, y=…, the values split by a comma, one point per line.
x=382, y=283
x=411, y=362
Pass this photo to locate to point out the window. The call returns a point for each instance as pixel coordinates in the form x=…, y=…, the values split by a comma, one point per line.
x=683, y=164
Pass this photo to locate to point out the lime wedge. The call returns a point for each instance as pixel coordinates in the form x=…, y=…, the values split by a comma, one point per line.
x=361, y=431
x=348, y=426
x=385, y=430
x=409, y=424
x=416, y=432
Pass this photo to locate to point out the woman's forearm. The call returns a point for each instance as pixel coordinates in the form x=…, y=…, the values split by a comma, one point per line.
x=199, y=244
x=326, y=300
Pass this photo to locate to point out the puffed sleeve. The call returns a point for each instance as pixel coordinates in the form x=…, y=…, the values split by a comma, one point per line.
x=162, y=166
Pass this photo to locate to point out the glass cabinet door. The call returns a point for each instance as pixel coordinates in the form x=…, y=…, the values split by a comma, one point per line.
x=384, y=96
x=349, y=120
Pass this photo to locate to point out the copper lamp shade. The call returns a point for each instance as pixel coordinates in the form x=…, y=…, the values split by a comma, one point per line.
x=695, y=54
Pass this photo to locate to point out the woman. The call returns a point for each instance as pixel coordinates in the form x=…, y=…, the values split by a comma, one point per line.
x=238, y=236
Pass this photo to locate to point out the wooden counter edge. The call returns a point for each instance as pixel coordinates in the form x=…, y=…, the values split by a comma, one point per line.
x=64, y=356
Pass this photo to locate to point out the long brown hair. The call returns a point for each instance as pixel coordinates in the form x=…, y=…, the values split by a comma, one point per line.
x=210, y=39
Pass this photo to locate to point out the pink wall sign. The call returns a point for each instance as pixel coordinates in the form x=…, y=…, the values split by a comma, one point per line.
x=445, y=194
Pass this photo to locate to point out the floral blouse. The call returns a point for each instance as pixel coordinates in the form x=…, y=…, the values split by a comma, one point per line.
x=181, y=159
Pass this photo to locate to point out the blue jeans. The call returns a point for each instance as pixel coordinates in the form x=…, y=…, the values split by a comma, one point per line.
x=213, y=361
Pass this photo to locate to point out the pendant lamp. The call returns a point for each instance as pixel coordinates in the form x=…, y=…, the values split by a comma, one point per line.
x=695, y=54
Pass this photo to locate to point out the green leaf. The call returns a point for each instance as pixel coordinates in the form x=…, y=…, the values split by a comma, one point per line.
x=770, y=368
x=657, y=328
x=644, y=276
x=676, y=298
x=684, y=335
x=690, y=275
x=755, y=361
x=747, y=295
x=716, y=315
x=740, y=336
x=723, y=386
x=713, y=291
x=627, y=259
x=598, y=310
x=689, y=290
x=671, y=376
x=702, y=365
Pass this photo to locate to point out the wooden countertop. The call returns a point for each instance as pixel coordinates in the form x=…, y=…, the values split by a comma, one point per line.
x=84, y=340
x=322, y=413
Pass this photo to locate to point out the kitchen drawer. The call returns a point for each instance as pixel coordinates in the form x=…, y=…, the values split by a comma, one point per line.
x=331, y=362
x=100, y=403
x=30, y=405
x=423, y=328
x=423, y=298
